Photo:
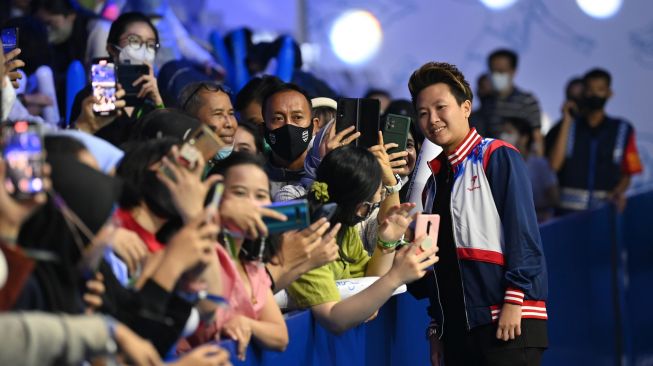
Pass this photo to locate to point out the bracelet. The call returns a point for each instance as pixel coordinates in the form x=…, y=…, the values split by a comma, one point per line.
x=387, y=244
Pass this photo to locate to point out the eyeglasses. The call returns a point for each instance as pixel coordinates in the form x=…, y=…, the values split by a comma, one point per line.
x=207, y=85
x=135, y=42
x=369, y=207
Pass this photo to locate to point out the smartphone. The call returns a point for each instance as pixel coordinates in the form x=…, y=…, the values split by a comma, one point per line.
x=427, y=225
x=364, y=114
x=201, y=142
x=126, y=75
x=23, y=155
x=103, y=82
x=395, y=129
x=9, y=39
x=325, y=211
x=297, y=213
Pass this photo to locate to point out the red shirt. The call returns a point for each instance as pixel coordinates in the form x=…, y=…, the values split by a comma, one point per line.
x=128, y=222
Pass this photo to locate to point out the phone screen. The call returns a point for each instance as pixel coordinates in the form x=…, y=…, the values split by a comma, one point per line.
x=9, y=39
x=23, y=155
x=103, y=81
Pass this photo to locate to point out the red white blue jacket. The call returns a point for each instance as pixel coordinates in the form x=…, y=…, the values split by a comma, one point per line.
x=495, y=230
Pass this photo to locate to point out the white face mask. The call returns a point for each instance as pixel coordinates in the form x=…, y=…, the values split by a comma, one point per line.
x=511, y=138
x=8, y=97
x=129, y=55
x=500, y=81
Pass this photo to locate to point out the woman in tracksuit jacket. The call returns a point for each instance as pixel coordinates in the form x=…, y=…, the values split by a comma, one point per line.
x=487, y=294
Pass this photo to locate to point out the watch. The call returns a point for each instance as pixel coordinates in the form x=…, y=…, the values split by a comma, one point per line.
x=397, y=187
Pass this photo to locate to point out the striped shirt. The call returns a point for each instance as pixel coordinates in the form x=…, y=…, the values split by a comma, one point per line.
x=493, y=112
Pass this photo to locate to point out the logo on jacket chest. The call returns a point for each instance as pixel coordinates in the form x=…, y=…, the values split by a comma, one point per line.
x=474, y=186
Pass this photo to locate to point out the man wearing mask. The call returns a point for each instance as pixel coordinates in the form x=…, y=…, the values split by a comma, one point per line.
x=507, y=101
x=288, y=130
x=210, y=103
x=594, y=154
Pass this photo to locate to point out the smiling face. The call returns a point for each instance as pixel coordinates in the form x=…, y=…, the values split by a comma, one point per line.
x=217, y=112
x=249, y=182
x=442, y=120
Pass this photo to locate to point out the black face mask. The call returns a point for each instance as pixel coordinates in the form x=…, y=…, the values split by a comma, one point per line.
x=289, y=141
x=593, y=103
x=157, y=197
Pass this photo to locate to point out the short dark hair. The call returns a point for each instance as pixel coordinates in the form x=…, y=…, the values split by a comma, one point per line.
x=119, y=26
x=440, y=72
x=63, y=145
x=523, y=127
x=285, y=87
x=571, y=83
x=511, y=55
x=190, y=98
x=255, y=131
x=377, y=91
x=134, y=169
x=255, y=90
x=57, y=7
x=165, y=122
x=597, y=73
x=324, y=113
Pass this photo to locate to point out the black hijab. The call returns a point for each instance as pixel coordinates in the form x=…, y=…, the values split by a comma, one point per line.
x=91, y=196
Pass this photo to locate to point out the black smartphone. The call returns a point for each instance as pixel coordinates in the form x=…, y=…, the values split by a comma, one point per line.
x=9, y=39
x=22, y=150
x=395, y=129
x=126, y=75
x=297, y=213
x=103, y=82
x=325, y=211
x=364, y=113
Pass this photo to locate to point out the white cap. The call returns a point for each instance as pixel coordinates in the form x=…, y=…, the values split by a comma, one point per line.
x=324, y=102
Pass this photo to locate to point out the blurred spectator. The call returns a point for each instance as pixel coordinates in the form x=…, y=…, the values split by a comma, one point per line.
x=132, y=39
x=248, y=138
x=518, y=133
x=507, y=100
x=324, y=111
x=250, y=98
x=594, y=154
x=176, y=43
x=74, y=34
x=15, y=9
x=484, y=92
x=36, y=88
x=383, y=96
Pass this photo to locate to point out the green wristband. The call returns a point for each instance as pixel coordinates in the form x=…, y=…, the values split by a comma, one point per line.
x=387, y=244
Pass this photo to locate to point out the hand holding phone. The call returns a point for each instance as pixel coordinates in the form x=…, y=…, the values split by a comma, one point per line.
x=296, y=212
x=24, y=159
x=363, y=113
x=9, y=39
x=127, y=74
x=426, y=226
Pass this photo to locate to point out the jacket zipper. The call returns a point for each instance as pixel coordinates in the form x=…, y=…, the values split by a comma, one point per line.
x=453, y=230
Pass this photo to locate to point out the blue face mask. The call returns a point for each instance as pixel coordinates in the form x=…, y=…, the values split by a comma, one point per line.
x=224, y=152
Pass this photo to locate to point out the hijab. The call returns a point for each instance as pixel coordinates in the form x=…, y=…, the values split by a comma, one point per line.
x=91, y=196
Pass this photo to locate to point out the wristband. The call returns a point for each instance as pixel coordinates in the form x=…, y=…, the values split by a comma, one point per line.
x=397, y=187
x=387, y=244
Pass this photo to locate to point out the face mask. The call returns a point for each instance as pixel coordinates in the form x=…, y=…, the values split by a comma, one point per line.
x=224, y=152
x=129, y=55
x=59, y=35
x=289, y=141
x=500, y=81
x=8, y=98
x=593, y=103
x=511, y=138
x=157, y=197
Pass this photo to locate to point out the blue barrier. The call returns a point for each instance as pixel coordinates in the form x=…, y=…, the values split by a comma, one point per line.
x=222, y=55
x=600, y=268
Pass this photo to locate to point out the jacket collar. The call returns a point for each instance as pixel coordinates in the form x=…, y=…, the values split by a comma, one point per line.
x=465, y=148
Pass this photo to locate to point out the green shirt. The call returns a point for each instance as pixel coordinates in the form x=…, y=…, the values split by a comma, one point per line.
x=319, y=285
